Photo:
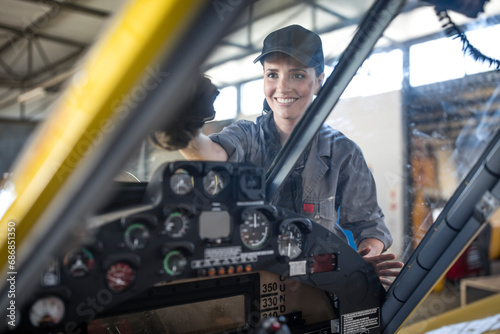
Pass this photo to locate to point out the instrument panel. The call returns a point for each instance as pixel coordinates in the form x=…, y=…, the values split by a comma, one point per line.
x=203, y=239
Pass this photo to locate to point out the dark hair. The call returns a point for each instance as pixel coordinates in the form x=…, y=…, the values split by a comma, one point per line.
x=318, y=71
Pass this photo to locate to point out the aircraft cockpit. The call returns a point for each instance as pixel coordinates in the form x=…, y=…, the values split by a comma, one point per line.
x=111, y=234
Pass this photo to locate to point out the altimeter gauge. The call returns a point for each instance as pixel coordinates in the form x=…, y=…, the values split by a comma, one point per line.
x=290, y=241
x=255, y=229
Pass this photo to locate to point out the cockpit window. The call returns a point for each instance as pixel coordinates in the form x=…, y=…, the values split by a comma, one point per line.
x=420, y=108
x=414, y=120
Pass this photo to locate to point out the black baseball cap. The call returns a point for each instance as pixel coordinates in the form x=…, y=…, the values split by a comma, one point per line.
x=295, y=41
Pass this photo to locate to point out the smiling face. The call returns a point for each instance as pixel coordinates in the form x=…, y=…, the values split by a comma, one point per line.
x=289, y=86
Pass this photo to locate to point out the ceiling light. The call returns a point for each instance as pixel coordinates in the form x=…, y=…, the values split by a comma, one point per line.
x=32, y=95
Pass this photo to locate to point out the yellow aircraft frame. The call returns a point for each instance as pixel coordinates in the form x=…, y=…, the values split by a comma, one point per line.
x=137, y=36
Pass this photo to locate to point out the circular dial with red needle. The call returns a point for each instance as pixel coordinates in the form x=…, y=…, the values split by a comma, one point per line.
x=120, y=276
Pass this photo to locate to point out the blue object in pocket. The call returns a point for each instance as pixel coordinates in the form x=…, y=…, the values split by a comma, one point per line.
x=348, y=233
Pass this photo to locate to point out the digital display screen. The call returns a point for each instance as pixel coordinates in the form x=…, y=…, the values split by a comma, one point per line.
x=215, y=224
x=211, y=316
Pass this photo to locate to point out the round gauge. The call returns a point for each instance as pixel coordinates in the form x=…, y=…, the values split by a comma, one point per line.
x=78, y=262
x=136, y=236
x=177, y=224
x=181, y=182
x=290, y=241
x=47, y=311
x=120, y=276
x=213, y=183
x=255, y=229
x=174, y=263
x=51, y=275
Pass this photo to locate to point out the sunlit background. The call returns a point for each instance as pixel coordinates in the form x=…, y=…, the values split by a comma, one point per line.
x=432, y=61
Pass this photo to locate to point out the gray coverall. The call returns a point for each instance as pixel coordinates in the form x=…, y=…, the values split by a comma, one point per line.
x=330, y=181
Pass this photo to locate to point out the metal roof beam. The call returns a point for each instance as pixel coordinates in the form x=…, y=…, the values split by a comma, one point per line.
x=29, y=81
x=8, y=69
x=329, y=11
x=54, y=65
x=33, y=33
x=254, y=18
x=73, y=7
x=30, y=30
x=332, y=27
x=244, y=47
x=45, y=85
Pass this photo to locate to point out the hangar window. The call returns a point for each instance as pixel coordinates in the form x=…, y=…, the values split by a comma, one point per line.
x=381, y=72
x=442, y=59
x=252, y=97
x=226, y=103
x=436, y=61
x=484, y=39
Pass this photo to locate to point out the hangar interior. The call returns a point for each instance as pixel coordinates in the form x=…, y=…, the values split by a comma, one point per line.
x=421, y=107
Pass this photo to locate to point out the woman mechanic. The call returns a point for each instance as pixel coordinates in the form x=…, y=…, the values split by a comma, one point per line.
x=331, y=179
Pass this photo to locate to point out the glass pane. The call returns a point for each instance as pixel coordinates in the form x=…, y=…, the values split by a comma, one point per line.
x=252, y=97
x=420, y=111
x=381, y=72
x=226, y=104
x=479, y=38
x=435, y=61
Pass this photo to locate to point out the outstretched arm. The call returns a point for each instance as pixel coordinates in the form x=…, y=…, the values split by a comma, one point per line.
x=201, y=147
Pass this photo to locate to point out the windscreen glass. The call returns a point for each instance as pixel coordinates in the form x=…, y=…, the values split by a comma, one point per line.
x=421, y=108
